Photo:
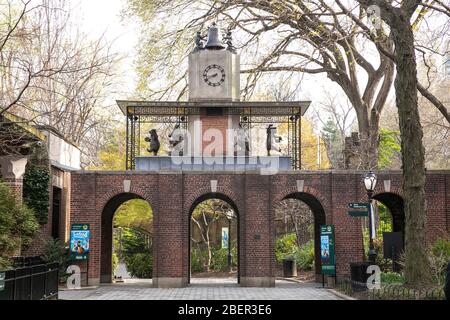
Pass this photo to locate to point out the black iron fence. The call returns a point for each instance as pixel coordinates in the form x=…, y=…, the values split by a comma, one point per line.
x=31, y=279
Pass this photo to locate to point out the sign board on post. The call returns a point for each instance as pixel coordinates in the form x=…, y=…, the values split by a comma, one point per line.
x=360, y=209
x=358, y=205
x=358, y=213
x=327, y=256
x=225, y=235
x=79, y=241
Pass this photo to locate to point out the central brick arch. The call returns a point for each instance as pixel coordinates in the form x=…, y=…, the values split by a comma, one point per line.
x=319, y=215
x=203, y=195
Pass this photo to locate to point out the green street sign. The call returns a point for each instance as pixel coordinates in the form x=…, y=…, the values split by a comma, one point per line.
x=358, y=213
x=358, y=205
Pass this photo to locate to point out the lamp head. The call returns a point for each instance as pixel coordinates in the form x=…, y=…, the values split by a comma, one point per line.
x=370, y=181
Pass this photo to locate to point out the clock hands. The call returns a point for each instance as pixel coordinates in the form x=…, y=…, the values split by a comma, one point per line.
x=212, y=76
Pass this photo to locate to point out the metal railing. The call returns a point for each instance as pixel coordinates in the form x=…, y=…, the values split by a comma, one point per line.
x=32, y=282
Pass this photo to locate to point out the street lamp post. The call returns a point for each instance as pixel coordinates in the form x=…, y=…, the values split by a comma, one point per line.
x=230, y=216
x=370, y=181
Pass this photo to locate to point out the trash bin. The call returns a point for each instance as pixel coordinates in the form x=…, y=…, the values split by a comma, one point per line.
x=289, y=268
x=359, y=275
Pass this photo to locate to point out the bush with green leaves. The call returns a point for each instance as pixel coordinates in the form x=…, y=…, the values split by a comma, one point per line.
x=56, y=250
x=17, y=226
x=391, y=278
x=439, y=256
x=135, y=253
x=140, y=265
x=219, y=261
x=285, y=247
x=304, y=256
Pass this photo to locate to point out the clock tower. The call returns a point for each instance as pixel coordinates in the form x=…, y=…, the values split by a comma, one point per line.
x=214, y=74
x=214, y=69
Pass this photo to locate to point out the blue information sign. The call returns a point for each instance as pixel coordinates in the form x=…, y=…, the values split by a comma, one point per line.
x=79, y=241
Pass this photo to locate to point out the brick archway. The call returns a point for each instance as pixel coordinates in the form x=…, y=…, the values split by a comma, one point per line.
x=319, y=215
x=201, y=197
x=205, y=190
x=107, y=217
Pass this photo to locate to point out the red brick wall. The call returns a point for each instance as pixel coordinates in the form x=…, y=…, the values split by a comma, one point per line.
x=172, y=195
x=217, y=123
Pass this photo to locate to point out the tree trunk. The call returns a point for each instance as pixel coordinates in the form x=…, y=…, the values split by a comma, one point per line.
x=416, y=263
x=369, y=136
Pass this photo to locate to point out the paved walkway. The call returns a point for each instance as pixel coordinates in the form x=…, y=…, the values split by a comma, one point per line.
x=201, y=289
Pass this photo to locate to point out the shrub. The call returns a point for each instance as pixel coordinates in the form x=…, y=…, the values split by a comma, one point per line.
x=439, y=256
x=17, y=226
x=140, y=265
x=198, y=259
x=392, y=277
x=56, y=251
x=285, y=247
x=219, y=261
x=305, y=256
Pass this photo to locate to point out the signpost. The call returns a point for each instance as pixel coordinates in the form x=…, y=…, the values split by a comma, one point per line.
x=79, y=244
x=358, y=213
x=327, y=255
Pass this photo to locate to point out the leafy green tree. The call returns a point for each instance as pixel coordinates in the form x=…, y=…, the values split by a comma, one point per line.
x=140, y=265
x=112, y=155
x=136, y=213
x=17, y=225
x=389, y=148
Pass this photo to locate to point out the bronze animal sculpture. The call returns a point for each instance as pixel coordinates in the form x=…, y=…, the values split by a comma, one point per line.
x=153, y=140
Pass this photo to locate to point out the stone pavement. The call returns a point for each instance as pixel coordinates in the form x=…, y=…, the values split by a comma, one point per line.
x=201, y=289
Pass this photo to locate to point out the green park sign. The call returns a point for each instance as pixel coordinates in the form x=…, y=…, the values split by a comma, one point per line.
x=358, y=213
x=360, y=209
x=358, y=205
x=327, y=255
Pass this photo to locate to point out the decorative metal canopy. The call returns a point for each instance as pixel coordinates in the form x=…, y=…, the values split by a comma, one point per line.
x=177, y=112
x=176, y=108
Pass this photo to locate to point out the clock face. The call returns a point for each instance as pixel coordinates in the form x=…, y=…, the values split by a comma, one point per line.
x=214, y=75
